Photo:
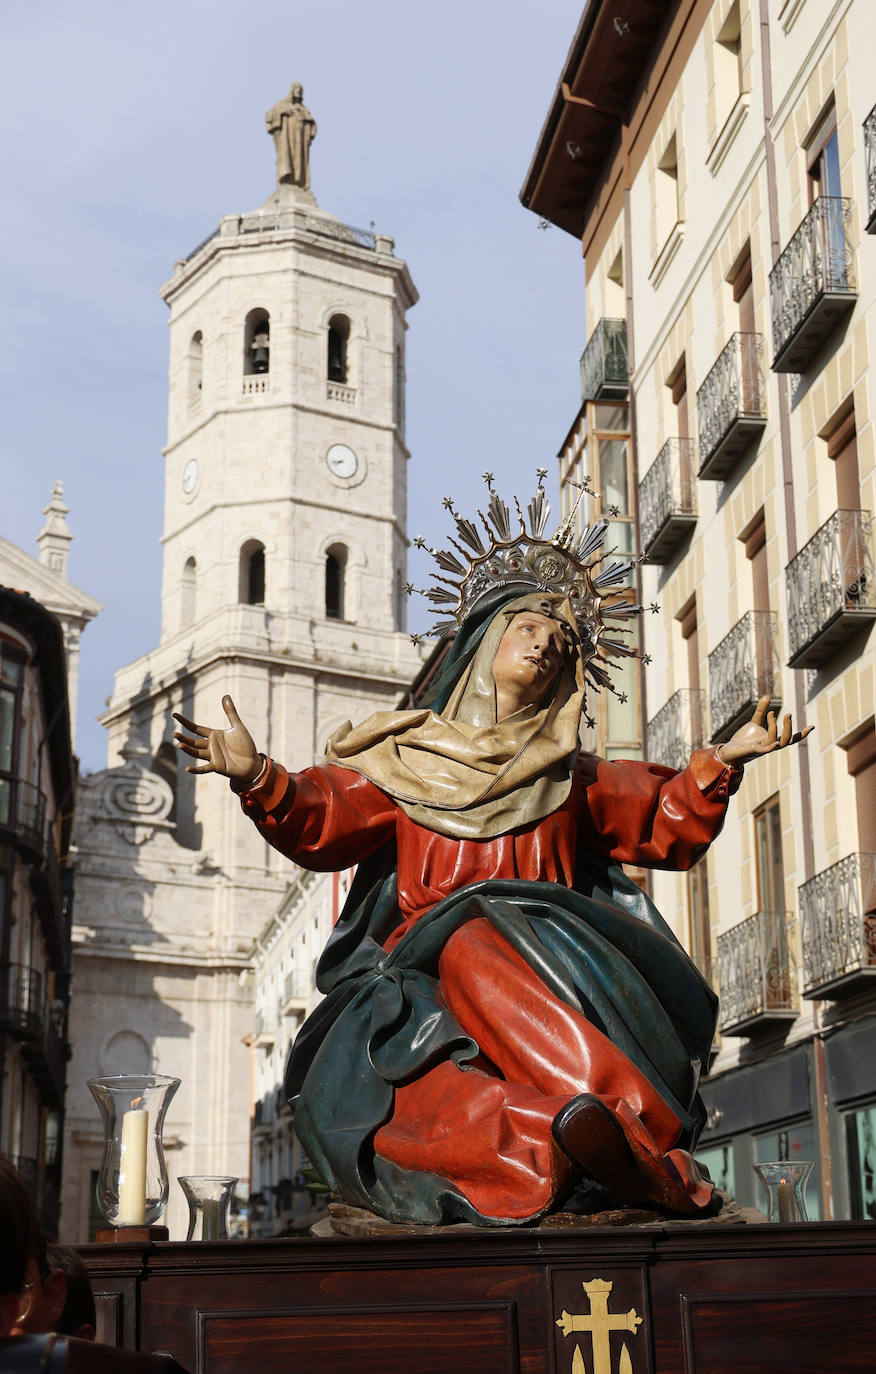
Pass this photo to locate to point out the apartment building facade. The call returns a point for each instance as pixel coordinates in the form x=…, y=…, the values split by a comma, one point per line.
x=716, y=159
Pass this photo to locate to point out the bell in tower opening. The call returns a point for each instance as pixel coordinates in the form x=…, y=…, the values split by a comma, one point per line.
x=257, y=355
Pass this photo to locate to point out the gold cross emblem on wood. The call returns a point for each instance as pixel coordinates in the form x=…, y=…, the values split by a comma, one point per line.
x=600, y=1323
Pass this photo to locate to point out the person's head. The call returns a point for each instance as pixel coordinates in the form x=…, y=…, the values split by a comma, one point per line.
x=297, y=92
x=19, y=1249
x=528, y=660
x=77, y=1316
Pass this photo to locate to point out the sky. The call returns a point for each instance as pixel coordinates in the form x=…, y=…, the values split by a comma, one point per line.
x=130, y=130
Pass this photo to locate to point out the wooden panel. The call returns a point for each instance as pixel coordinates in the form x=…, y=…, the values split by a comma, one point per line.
x=598, y=1313
x=809, y=1332
x=407, y=1340
x=109, y=1308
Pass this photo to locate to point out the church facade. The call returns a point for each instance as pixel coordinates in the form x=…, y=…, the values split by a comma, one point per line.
x=284, y=568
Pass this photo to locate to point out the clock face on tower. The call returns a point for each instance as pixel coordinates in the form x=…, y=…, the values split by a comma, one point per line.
x=190, y=476
x=342, y=461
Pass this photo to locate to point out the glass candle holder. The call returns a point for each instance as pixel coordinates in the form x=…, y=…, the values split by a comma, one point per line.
x=209, y=1198
x=132, y=1184
x=784, y=1183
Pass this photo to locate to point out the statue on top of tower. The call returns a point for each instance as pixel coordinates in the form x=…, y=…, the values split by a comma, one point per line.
x=294, y=129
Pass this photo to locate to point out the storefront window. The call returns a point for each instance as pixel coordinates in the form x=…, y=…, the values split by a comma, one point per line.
x=861, y=1128
x=718, y=1159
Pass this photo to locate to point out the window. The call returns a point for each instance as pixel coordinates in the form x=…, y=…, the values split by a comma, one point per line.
x=335, y=570
x=842, y=447
x=399, y=387
x=728, y=65
x=690, y=634
x=678, y=390
x=11, y=675
x=338, y=339
x=188, y=592
x=822, y=159
x=666, y=192
x=743, y=292
x=768, y=847
x=615, y=295
x=251, y=591
x=861, y=1139
x=755, y=552
x=195, y=368
x=257, y=343
x=861, y=763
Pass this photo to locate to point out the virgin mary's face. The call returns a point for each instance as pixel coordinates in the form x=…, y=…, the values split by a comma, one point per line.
x=529, y=657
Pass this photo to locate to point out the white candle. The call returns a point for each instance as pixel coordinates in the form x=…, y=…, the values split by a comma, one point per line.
x=210, y=1229
x=132, y=1169
x=785, y=1198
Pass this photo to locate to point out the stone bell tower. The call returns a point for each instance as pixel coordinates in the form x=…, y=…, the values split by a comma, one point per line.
x=284, y=565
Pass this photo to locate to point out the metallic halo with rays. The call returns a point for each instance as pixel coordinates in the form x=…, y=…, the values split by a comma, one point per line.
x=561, y=564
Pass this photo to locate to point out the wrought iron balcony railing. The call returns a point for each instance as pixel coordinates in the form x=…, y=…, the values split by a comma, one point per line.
x=677, y=728
x=838, y=928
x=604, y=374
x=870, y=155
x=813, y=284
x=23, y=813
x=742, y=669
x=668, y=499
x=22, y=1006
x=757, y=981
x=831, y=591
x=731, y=406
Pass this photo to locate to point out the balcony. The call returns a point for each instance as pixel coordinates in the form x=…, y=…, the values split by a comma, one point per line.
x=742, y=669
x=667, y=500
x=23, y=815
x=838, y=928
x=264, y=1031
x=812, y=286
x=830, y=589
x=756, y=974
x=295, y=993
x=731, y=406
x=22, y=1008
x=604, y=375
x=870, y=154
x=677, y=729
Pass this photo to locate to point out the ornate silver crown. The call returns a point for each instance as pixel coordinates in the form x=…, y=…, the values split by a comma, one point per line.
x=562, y=564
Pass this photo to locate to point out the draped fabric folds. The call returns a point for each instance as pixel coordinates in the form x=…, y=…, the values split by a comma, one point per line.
x=562, y=913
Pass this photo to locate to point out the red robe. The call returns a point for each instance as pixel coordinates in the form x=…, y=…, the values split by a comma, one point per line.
x=487, y=1128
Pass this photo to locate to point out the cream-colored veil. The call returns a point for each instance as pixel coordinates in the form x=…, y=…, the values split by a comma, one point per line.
x=463, y=774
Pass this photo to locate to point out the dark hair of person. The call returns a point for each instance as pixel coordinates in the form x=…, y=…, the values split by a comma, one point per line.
x=79, y=1308
x=18, y=1229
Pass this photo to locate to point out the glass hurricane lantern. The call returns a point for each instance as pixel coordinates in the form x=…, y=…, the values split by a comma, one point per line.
x=132, y=1185
x=784, y=1183
x=209, y=1198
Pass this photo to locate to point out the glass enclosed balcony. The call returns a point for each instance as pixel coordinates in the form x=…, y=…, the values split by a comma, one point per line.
x=742, y=669
x=677, y=729
x=757, y=981
x=668, y=499
x=830, y=588
x=812, y=286
x=731, y=406
x=870, y=155
x=604, y=374
x=838, y=928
